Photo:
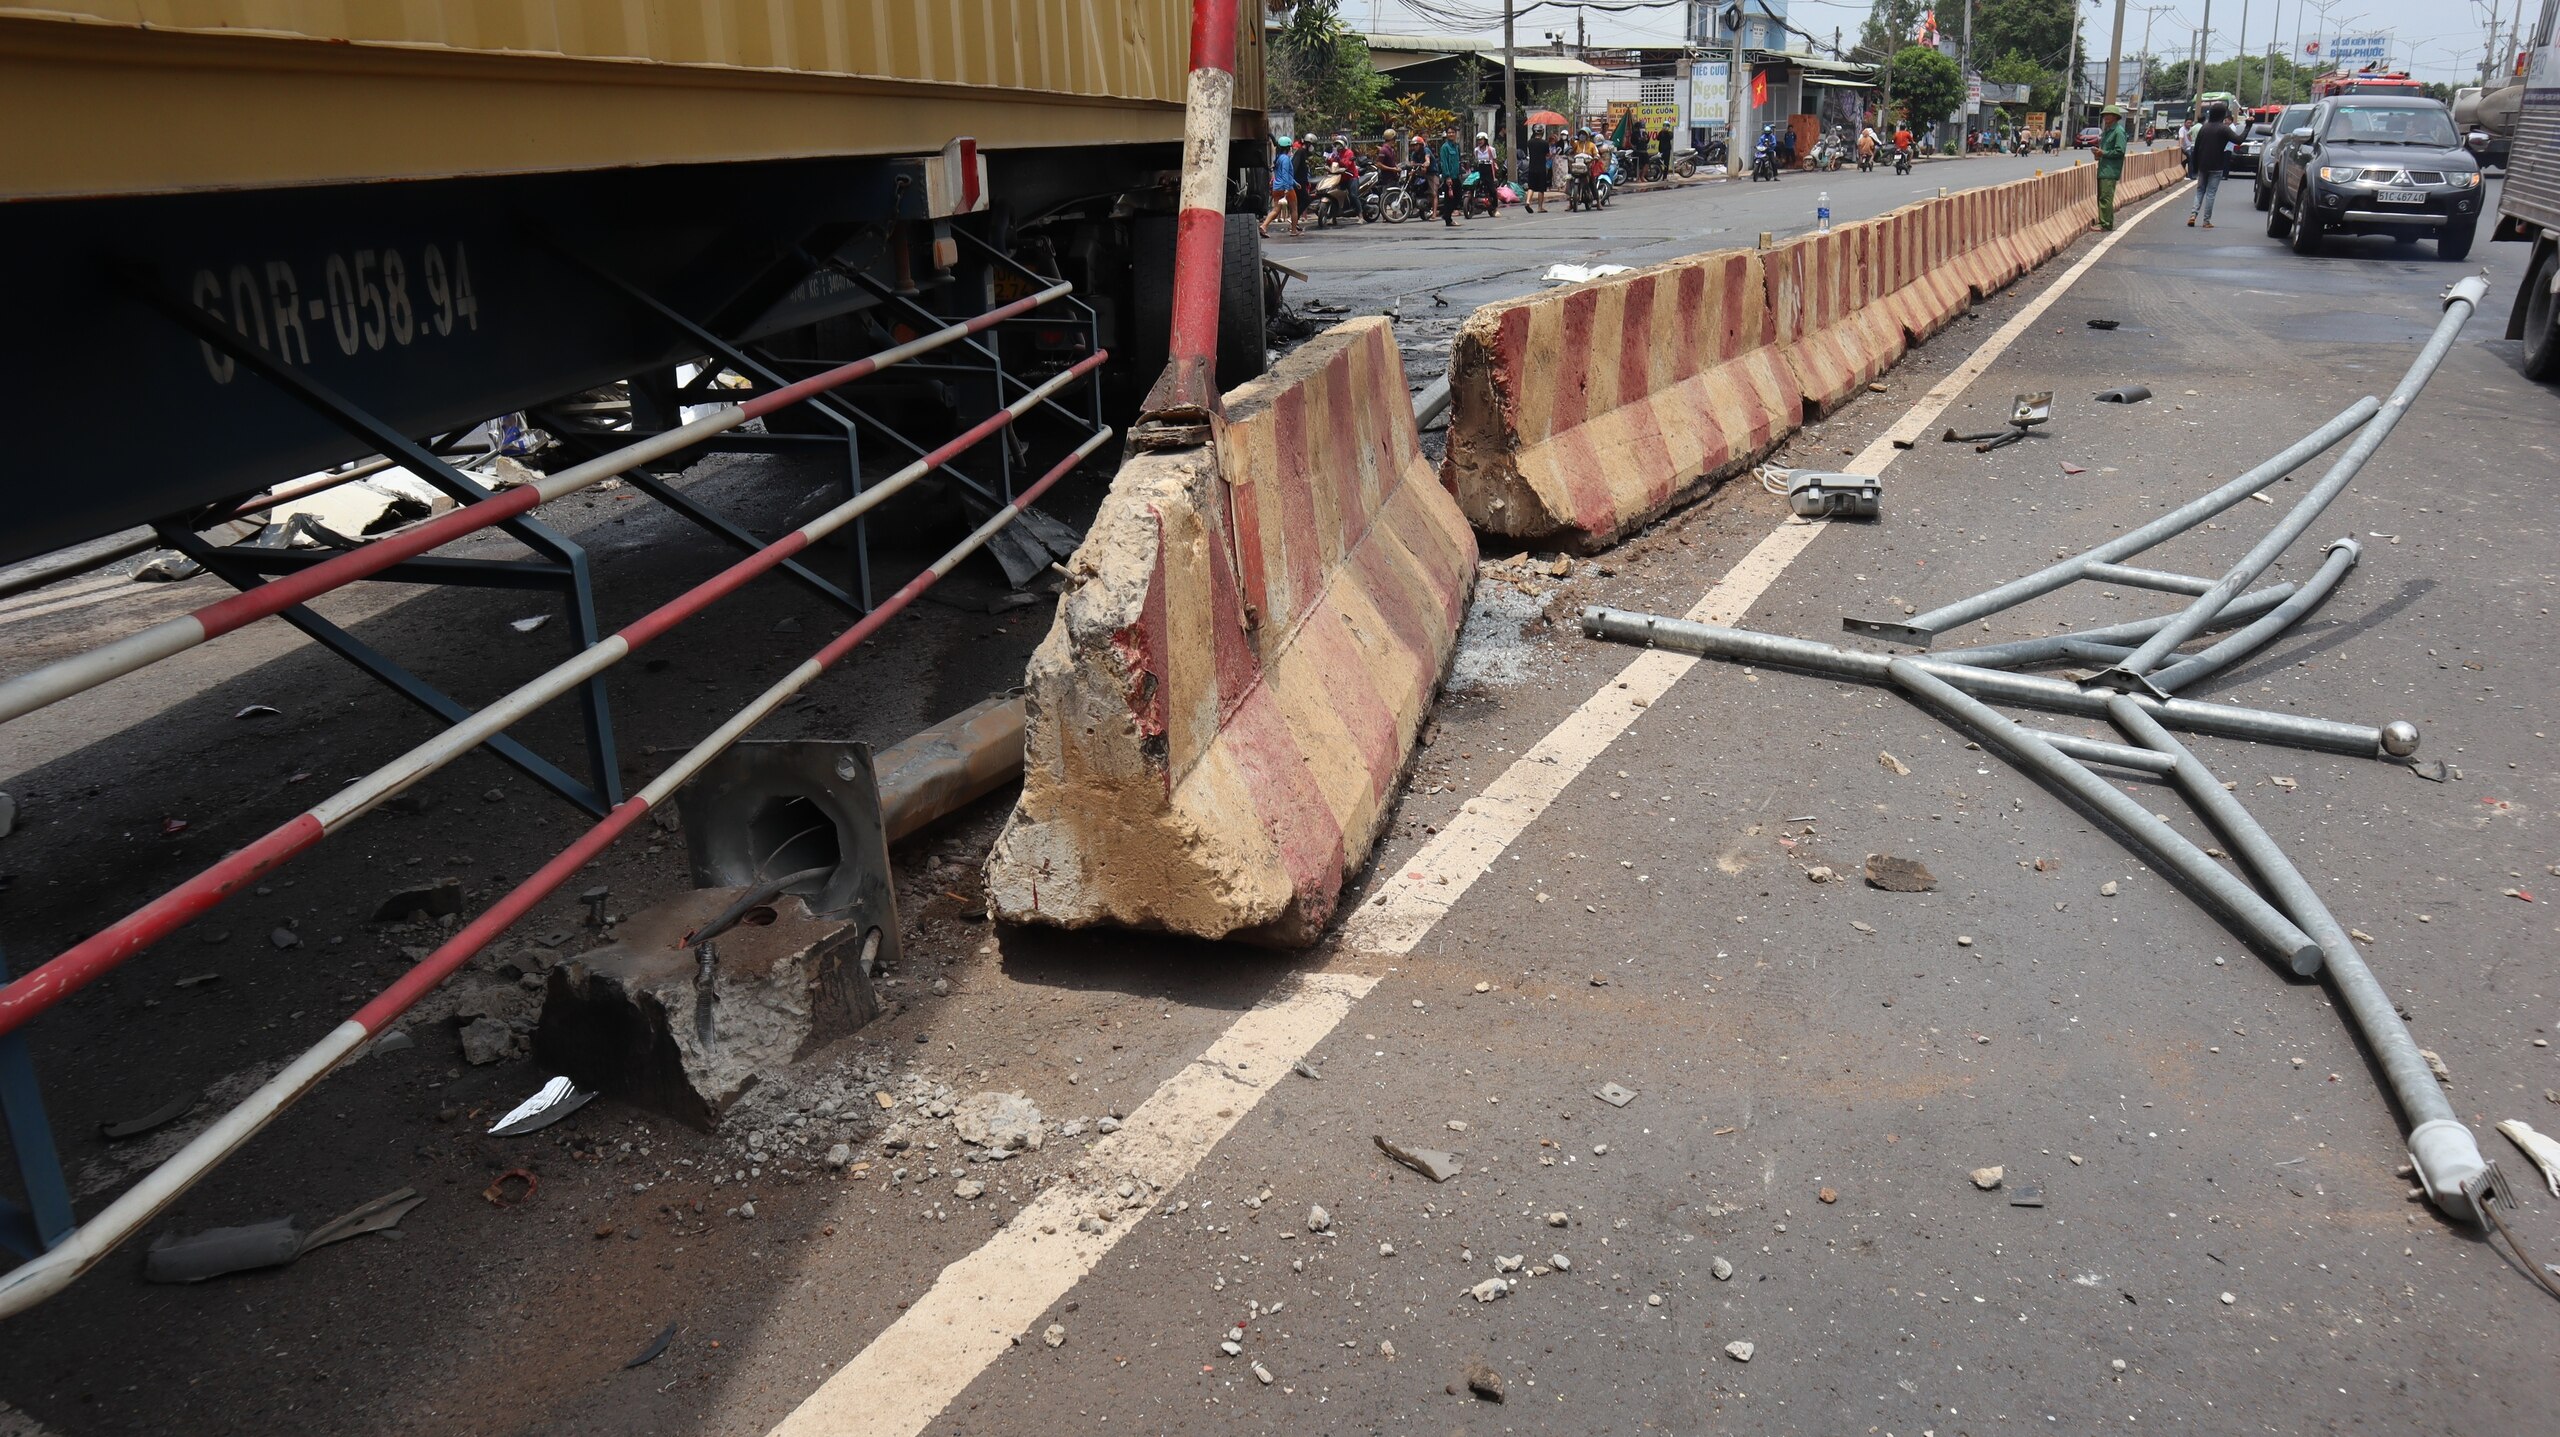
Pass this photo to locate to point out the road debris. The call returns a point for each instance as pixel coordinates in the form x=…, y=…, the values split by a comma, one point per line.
x=1318, y=1220
x=557, y=1099
x=1262, y=1374
x=1987, y=1178
x=258, y=711
x=1005, y=1122
x=1614, y=1095
x=1484, y=1382
x=2435, y=1065
x=1722, y=1269
x=218, y=1252
x=1055, y=1335
x=657, y=1344
x=1305, y=1069
x=2107, y=889
x=2123, y=394
x=1489, y=1289
x=1430, y=1162
x=1899, y=875
x=526, y=626
x=1890, y=764
x=2027, y=1194
x=435, y=900
x=167, y=1113
x=1740, y=1351
x=527, y=1185
x=2537, y=1146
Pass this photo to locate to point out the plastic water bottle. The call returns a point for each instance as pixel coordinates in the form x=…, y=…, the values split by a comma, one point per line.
x=1822, y=210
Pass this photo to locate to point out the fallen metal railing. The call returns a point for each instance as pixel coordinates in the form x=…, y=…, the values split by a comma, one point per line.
x=81, y=672
x=2281, y=912
x=85, y=962
x=42, y=1277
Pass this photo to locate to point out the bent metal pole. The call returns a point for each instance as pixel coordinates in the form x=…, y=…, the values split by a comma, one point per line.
x=1187, y=392
x=31, y=1283
x=76, y=967
x=58, y=681
x=2459, y=303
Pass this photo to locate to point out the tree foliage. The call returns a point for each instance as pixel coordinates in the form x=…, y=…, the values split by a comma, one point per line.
x=1410, y=114
x=1317, y=67
x=1926, y=84
x=2037, y=29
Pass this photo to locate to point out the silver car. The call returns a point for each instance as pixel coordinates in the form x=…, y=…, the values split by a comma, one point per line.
x=2270, y=152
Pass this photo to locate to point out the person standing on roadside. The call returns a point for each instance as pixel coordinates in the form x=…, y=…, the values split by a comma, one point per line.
x=1662, y=147
x=1449, y=168
x=2110, y=163
x=1537, y=173
x=1284, y=186
x=2212, y=148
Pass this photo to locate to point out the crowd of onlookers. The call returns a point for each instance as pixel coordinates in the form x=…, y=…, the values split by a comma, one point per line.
x=1449, y=176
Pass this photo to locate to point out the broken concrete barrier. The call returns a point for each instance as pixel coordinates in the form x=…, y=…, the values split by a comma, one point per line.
x=1251, y=635
x=640, y=1019
x=1580, y=414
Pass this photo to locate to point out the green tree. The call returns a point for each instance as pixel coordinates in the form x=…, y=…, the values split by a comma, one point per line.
x=1887, y=31
x=2037, y=29
x=1926, y=84
x=2044, y=86
x=1320, y=69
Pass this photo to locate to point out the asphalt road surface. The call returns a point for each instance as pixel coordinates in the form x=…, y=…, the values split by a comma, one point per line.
x=1816, y=1067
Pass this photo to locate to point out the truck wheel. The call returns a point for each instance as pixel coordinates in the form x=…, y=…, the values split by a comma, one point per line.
x=1241, y=353
x=2453, y=242
x=2541, y=320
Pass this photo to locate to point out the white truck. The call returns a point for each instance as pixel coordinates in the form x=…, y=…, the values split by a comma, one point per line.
x=2529, y=202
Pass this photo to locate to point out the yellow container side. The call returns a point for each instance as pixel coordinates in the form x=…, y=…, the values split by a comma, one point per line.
x=159, y=95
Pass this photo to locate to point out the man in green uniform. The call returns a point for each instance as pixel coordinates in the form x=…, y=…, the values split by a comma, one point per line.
x=2110, y=164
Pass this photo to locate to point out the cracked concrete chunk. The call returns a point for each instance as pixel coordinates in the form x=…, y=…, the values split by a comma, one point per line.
x=633, y=1018
x=1430, y=1162
x=1007, y=1122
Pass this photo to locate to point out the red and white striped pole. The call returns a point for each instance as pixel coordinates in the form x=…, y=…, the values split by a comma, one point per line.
x=61, y=679
x=85, y=962
x=1185, y=396
x=32, y=1282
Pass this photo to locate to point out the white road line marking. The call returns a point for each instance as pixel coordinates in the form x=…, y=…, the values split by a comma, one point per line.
x=1427, y=885
x=981, y=1303
x=911, y=1372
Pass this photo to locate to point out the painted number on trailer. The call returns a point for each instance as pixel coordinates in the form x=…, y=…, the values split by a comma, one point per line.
x=363, y=300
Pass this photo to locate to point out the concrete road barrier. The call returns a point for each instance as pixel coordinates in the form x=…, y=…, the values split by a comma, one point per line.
x=1582, y=413
x=1915, y=279
x=1251, y=637
x=1832, y=335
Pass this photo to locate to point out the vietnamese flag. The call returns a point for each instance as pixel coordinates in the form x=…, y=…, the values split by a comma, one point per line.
x=1759, y=87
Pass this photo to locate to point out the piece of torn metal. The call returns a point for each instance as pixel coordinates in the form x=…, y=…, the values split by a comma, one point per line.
x=1582, y=273
x=2123, y=394
x=558, y=1099
x=159, y=1117
x=220, y=1251
x=657, y=1344
x=2537, y=1146
x=380, y=1215
x=1614, y=1095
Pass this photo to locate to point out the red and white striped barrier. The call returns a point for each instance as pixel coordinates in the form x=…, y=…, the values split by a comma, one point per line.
x=1580, y=414
x=1248, y=645
x=1832, y=335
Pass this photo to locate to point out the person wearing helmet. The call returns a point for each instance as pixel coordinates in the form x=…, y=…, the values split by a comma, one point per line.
x=1390, y=164
x=1284, y=185
x=1488, y=174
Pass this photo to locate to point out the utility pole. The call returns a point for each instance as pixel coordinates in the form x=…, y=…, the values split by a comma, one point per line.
x=1964, y=73
x=1510, y=94
x=2240, y=55
x=2204, y=50
x=1737, y=102
x=2070, y=77
x=2267, y=72
x=2115, y=56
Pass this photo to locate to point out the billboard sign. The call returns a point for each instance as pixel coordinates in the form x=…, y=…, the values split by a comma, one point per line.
x=1708, y=95
x=2358, y=52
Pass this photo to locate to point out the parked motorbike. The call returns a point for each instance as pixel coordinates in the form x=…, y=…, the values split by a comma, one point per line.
x=1403, y=200
x=1713, y=152
x=1372, y=207
x=1331, y=200
x=1684, y=165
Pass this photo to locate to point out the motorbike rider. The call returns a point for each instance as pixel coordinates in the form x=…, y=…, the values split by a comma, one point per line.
x=1390, y=162
x=1867, y=143
x=1765, y=149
